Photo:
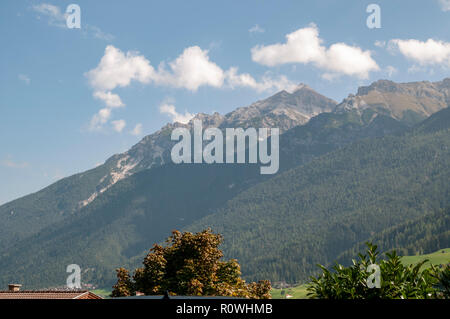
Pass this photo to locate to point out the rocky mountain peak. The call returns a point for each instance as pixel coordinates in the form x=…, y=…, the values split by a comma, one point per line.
x=380, y=85
x=302, y=86
x=410, y=102
x=283, y=110
x=208, y=120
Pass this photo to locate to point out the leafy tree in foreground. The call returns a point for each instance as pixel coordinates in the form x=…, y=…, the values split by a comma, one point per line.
x=443, y=285
x=396, y=280
x=190, y=264
x=122, y=288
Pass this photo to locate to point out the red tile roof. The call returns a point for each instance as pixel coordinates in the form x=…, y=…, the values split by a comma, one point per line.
x=48, y=294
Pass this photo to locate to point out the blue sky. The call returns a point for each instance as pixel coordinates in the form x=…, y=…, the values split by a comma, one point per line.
x=70, y=98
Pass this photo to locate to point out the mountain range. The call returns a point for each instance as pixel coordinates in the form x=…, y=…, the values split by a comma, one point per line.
x=348, y=171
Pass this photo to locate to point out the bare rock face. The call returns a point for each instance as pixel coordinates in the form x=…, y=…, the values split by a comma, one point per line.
x=283, y=110
x=409, y=102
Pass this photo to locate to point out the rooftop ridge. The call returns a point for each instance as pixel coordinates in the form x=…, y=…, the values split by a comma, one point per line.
x=44, y=291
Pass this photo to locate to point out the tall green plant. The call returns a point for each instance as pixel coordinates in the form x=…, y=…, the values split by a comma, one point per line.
x=396, y=281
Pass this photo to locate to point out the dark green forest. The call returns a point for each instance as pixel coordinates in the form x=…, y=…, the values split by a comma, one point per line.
x=281, y=228
x=341, y=183
x=420, y=236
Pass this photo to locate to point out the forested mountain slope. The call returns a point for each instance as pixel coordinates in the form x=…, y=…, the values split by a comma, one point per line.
x=30, y=214
x=422, y=235
x=340, y=182
x=142, y=209
x=280, y=229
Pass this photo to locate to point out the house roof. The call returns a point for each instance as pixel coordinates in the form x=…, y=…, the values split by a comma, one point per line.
x=48, y=294
x=177, y=297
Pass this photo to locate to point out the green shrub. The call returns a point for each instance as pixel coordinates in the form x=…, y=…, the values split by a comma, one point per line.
x=396, y=280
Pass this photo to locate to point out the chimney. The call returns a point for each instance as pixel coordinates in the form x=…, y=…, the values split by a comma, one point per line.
x=14, y=287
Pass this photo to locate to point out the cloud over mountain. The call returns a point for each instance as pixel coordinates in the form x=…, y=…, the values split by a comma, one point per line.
x=169, y=109
x=119, y=125
x=305, y=46
x=429, y=52
x=191, y=70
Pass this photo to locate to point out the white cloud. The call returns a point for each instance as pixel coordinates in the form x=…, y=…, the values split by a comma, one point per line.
x=390, y=70
x=53, y=13
x=110, y=99
x=117, y=69
x=302, y=46
x=380, y=44
x=57, y=18
x=137, y=130
x=96, y=32
x=191, y=70
x=428, y=52
x=25, y=78
x=349, y=60
x=118, y=125
x=445, y=5
x=305, y=46
x=99, y=119
x=169, y=109
x=49, y=10
x=234, y=79
x=256, y=29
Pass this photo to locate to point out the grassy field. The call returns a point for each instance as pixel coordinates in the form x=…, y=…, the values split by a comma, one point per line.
x=442, y=256
x=298, y=292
